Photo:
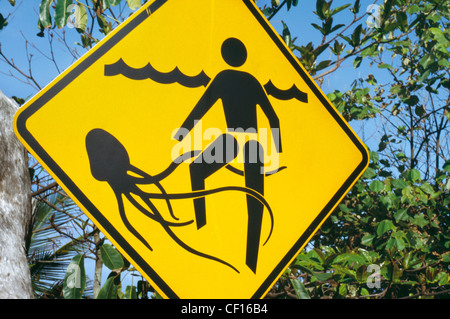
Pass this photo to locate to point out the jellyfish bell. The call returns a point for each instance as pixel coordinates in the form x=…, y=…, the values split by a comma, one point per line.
x=108, y=158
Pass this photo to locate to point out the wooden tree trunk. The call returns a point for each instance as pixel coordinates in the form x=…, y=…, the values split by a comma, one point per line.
x=15, y=208
x=98, y=263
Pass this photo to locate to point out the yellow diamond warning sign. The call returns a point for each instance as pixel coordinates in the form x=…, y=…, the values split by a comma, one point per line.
x=198, y=144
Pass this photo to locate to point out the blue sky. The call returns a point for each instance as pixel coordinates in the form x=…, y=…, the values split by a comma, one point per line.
x=22, y=27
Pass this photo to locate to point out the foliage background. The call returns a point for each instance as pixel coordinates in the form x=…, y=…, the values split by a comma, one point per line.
x=389, y=238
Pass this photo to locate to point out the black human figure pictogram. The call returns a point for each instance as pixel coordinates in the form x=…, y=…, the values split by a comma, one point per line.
x=240, y=93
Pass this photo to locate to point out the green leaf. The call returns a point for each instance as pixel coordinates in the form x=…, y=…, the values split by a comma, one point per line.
x=374, y=157
x=337, y=48
x=109, y=290
x=339, y=9
x=131, y=292
x=420, y=220
x=75, y=278
x=45, y=18
x=345, y=270
x=401, y=156
x=319, y=253
x=445, y=83
x=3, y=22
x=316, y=26
x=320, y=8
x=80, y=17
x=424, y=75
x=407, y=195
x=364, y=292
x=427, y=188
x=104, y=25
x=402, y=19
x=398, y=236
x=376, y=186
x=300, y=289
x=387, y=9
x=413, y=175
x=62, y=12
x=134, y=4
x=384, y=226
x=304, y=261
x=442, y=278
x=357, y=62
x=369, y=173
x=401, y=214
x=356, y=36
x=286, y=34
x=411, y=100
x=322, y=65
x=338, y=26
x=367, y=239
x=413, y=9
x=369, y=256
x=426, y=60
x=399, y=183
x=419, y=110
x=356, y=7
x=407, y=259
x=396, y=273
x=385, y=66
x=344, y=208
x=322, y=276
x=342, y=289
x=446, y=257
x=446, y=166
x=348, y=259
x=109, y=3
x=111, y=257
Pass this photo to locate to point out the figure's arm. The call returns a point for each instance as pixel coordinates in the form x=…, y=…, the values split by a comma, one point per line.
x=273, y=121
x=203, y=105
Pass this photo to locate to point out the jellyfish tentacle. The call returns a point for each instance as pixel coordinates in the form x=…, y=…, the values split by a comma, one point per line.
x=127, y=222
x=157, y=218
x=148, y=179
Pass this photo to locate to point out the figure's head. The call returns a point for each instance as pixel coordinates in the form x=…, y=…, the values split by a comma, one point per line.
x=234, y=52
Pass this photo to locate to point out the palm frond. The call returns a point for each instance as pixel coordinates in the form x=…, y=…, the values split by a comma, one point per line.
x=53, y=243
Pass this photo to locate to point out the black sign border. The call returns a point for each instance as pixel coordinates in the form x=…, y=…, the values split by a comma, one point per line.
x=122, y=242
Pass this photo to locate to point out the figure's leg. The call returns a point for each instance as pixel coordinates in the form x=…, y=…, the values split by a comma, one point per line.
x=222, y=151
x=254, y=179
